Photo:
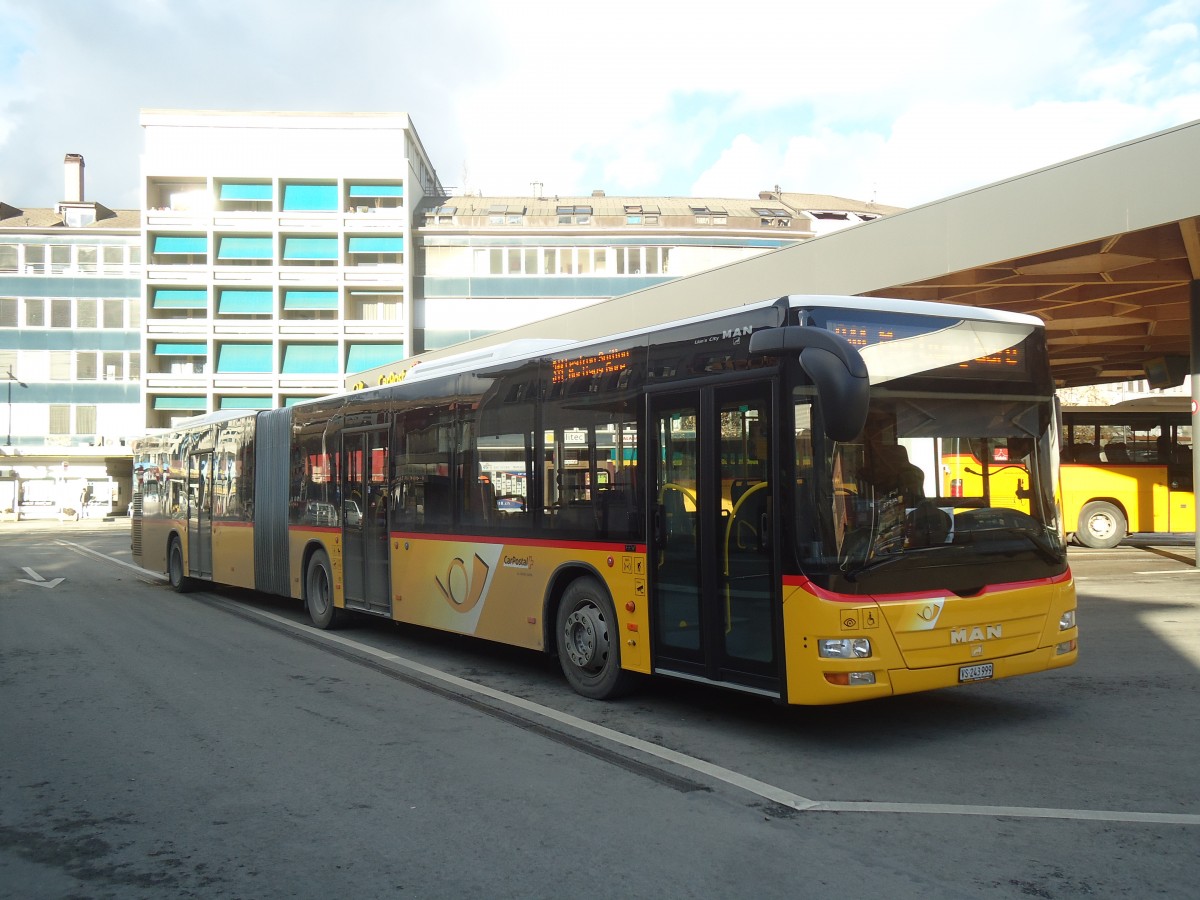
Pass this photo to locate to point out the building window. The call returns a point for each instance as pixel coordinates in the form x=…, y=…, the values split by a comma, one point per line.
x=85, y=365
x=254, y=250
x=85, y=312
x=375, y=251
x=60, y=258
x=114, y=313
x=60, y=312
x=85, y=420
x=114, y=368
x=310, y=359
x=60, y=418
x=87, y=259
x=245, y=197
x=114, y=259
x=8, y=257
x=574, y=215
x=179, y=250
x=60, y=365
x=321, y=197
x=35, y=312
x=250, y=358
x=773, y=217
x=8, y=312
x=376, y=306
x=440, y=215
x=365, y=198
x=310, y=251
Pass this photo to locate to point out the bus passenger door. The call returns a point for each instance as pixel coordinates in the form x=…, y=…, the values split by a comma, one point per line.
x=364, y=517
x=713, y=584
x=199, y=515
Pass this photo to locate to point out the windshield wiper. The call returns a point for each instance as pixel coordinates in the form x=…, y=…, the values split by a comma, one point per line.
x=879, y=562
x=1044, y=549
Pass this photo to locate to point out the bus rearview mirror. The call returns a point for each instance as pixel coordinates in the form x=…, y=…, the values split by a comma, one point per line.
x=835, y=367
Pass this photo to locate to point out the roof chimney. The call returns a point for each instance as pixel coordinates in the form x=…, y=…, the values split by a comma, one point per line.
x=73, y=178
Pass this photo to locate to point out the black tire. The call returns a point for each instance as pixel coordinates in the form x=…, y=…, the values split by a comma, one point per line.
x=1101, y=525
x=176, y=574
x=588, y=642
x=318, y=593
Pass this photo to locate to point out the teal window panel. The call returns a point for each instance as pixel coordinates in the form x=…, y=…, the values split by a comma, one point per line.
x=246, y=192
x=245, y=248
x=181, y=349
x=376, y=245
x=232, y=301
x=292, y=401
x=244, y=358
x=310, y=198
x=310, y=359
x=180, y=298
x=368, y=356
x=192, y=403
x=310, y=248
x=180, y=244
x=245, y=403
x=376, y=190
x=310, y=300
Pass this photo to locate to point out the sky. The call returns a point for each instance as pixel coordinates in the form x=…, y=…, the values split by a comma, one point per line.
x=897, y=103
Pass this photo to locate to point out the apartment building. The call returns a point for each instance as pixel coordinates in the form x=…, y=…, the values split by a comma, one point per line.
x=278, y=254
x=70, y=357
x=487, y=263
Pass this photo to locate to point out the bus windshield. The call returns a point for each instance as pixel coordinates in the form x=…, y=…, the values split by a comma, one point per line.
x=934, y=491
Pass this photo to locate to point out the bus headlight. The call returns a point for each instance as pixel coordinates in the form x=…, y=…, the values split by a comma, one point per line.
x=844, y=648
x=1067, y=621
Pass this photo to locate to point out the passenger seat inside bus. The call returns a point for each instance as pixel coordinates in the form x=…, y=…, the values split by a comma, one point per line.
x=1116, y=452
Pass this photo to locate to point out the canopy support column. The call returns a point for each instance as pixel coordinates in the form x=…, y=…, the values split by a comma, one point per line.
x=1194, y=306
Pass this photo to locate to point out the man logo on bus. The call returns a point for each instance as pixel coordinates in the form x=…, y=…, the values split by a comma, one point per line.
x=960, y=635
x=463, y=593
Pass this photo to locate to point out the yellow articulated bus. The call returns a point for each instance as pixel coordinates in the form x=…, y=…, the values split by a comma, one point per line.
x=724, y=499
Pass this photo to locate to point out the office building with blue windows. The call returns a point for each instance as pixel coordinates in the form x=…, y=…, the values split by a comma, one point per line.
x=70, y=352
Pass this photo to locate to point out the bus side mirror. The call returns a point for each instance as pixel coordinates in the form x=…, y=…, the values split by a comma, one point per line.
x=835, y=367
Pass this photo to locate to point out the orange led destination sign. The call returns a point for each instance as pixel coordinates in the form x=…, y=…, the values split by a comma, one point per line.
x=588, y=366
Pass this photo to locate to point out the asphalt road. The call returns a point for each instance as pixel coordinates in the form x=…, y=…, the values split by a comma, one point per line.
x=213, y=745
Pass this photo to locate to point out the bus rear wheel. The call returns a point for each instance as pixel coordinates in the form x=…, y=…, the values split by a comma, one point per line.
x=1101, y=525
x=588, y=642
x=180, y=582
x=318, y=593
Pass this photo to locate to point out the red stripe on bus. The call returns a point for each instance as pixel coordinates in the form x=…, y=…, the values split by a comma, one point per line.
x=517, y=541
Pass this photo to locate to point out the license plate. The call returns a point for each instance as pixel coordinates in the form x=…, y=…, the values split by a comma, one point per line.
x=981, y=672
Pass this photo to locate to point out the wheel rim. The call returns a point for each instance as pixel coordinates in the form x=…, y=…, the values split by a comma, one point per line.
x=585, y=637
x=318, y=590
x=176, y=564
x=1102, y=526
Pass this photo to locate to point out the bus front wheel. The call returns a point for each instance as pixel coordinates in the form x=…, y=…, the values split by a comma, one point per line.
x=589, y=642
x=1101, y=525
x=318, y=593
x=180, y=583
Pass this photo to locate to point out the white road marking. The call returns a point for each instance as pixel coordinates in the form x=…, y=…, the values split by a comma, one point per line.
x=87, y=551
x=766, y=791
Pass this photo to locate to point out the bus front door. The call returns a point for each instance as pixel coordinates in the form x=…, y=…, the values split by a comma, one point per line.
x=364, y=517
x=199, y=515
x=712, y=558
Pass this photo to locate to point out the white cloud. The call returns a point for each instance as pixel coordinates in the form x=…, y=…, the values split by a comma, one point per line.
x=911, y=101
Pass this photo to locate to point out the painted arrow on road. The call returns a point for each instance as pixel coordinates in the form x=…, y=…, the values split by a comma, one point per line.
x=38, y=580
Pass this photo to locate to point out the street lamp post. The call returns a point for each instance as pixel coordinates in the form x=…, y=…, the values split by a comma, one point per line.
x=11, y=379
